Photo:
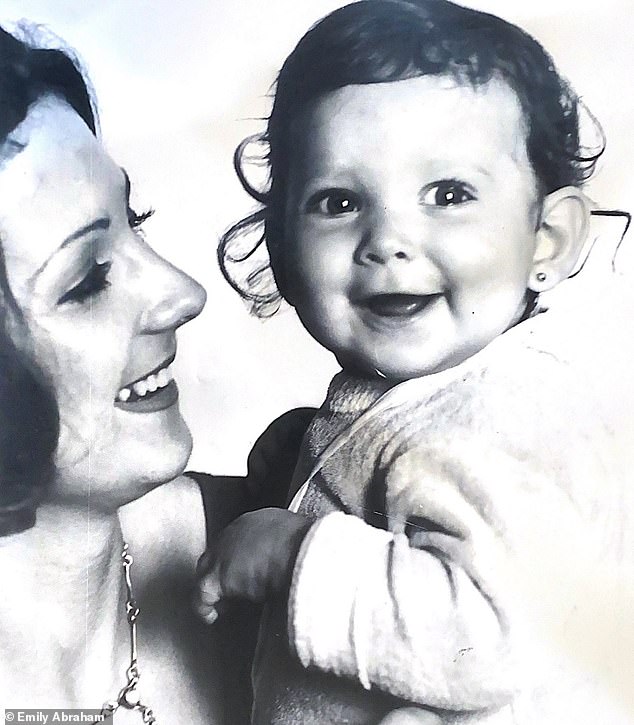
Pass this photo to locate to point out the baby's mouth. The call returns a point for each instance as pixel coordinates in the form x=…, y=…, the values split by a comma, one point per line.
x=398, y=305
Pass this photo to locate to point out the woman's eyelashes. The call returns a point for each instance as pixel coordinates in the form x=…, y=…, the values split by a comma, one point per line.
x=91, y=285
x=136, y=220
x=446, y=193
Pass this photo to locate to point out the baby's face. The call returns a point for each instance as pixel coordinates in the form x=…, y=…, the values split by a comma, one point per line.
x=411, y=222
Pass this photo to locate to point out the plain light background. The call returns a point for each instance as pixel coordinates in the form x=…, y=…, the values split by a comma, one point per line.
x=180, y=84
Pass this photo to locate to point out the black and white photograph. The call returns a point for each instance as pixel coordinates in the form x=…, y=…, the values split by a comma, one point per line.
x=315, y=362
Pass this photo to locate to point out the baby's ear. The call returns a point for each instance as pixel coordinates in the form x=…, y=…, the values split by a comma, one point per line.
x=560, y=237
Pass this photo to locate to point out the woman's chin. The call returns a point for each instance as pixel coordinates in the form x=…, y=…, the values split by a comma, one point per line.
x=173, y=460
x=156, y=461
x=131, y=464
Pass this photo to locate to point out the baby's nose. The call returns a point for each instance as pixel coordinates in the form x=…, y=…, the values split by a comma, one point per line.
x=383, y=255
x=387, y=242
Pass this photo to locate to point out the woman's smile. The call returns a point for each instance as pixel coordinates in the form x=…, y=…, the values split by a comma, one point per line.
x=150, y=393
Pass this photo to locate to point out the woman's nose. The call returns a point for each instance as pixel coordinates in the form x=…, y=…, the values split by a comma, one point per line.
x=387, y=241
x=175, y=299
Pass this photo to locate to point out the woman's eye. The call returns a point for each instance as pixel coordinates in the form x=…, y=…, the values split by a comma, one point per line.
x=447, y=193
x=94, y=282
x=334, y=202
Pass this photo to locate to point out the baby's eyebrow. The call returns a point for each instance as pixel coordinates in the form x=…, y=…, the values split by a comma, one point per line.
x=475, y=168
x=482, y=170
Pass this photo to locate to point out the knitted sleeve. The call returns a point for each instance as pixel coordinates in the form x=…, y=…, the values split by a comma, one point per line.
x=501, y=500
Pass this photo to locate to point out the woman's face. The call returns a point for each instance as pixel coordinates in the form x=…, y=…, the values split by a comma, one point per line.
x=98, y=309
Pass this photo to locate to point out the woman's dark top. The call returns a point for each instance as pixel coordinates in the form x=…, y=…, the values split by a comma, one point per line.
x=224, y=499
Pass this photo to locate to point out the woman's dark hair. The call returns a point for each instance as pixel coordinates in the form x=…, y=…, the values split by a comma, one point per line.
x=29, y=420
x=379, y=41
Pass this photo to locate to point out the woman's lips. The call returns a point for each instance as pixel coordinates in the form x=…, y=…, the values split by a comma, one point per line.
x=161, y=399
x=155, y=391
x=397, y=305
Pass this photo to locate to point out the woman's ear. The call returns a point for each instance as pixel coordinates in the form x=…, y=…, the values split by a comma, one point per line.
x=560, y=237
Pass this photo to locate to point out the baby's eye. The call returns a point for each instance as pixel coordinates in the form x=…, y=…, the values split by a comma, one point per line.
x=334, y=202
x=447, y=193
x=94, y=282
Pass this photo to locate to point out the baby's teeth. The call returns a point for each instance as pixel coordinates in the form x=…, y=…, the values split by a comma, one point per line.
x=162, y=378
x=124, y=395
x=151, y=383
x=140, y=388
x=170, y=374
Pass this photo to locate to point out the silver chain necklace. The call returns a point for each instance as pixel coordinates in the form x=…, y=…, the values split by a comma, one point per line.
x=128, y=697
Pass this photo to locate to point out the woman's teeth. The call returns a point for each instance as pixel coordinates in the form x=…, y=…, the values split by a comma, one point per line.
x=150, y=384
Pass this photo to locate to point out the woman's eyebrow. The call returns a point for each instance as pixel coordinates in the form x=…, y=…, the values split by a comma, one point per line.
x=100, y=224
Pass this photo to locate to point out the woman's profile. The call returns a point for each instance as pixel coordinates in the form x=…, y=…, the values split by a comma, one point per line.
x=98, y=534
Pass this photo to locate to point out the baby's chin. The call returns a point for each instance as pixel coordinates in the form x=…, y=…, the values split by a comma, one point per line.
x=374, y=370
x=394, y=370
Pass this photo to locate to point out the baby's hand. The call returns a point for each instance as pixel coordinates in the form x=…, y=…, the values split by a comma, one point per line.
x=253, y=558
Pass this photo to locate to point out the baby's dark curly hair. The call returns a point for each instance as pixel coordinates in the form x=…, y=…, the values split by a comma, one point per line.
x=380, y=41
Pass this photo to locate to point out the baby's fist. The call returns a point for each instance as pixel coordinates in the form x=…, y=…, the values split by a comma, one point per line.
x=253, y=558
